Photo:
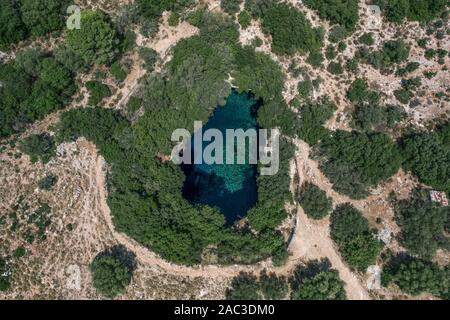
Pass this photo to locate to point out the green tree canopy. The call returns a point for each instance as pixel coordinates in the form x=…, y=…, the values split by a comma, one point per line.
x=112, y=271
x=356, y=242
x=317, y=281
x=97, y=42
x=43, y=16
x=315, y=202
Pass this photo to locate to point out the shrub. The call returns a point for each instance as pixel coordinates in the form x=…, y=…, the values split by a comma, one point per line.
x=315, y=202
x=359, y=93
x=315, y=58
x=304, y=88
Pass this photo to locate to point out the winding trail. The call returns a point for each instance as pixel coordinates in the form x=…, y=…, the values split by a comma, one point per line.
x=310, y=241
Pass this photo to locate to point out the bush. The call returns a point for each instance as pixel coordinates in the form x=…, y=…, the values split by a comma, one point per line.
x=39, y=147
x=315, y=202
x=97, y=92
x=304, y=88
x=312, y=118
x=359, y=93
x=112, y=271
x=19, y=252
x=356, y=242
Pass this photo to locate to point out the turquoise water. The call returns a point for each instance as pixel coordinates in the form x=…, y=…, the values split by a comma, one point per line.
x=229, y=187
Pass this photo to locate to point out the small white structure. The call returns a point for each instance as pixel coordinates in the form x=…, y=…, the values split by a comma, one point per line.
x=439, y=197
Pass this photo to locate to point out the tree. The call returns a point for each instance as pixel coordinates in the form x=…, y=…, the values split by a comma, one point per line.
x=291, y=32
x=12, y=29
x=427, y=156
x=149, y=56
x=244, y=19
x=43, y=16
x=30, y=60
x=272, y=286
x=243, y=287
x=97, y=92
x=39, y=147
x=112, y=271
x=342, y=12
x=422, y=11
x=415, y=276
x=70, y=60
x=356, y=242
x=230, y=6
x=355, y=161
x=97, y=42
x=360, y=93
x=316, y=280
x=315, y=202
x=422, y=224
x=247, y=287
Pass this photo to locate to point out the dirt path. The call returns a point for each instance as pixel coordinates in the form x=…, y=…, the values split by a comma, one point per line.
x=310, y=241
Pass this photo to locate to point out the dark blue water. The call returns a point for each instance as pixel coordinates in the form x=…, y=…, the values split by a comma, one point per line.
x=229, y=187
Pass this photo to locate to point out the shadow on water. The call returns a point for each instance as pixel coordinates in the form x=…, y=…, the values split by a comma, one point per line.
x=229, y=187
